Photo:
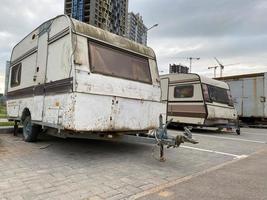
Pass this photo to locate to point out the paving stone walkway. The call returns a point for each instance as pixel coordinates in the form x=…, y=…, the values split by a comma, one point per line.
x=56, y=168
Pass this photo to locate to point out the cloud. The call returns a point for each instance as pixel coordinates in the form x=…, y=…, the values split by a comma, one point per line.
x=207, y=18
x=18, y=18
x=251, y=55
x=232, y=30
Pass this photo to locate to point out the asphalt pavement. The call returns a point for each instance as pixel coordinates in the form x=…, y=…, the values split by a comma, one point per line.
x=245, y=179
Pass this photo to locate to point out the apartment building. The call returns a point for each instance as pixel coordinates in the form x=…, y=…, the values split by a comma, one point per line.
x=136, y=30
x=109, y=15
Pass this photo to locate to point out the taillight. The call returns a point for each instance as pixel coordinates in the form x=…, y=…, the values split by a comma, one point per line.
x=206, y=93
x=230, y=99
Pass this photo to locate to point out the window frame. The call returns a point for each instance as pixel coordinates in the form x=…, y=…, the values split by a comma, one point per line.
x=123, y=51
x=216, y=87
x=207, y=90
x=12, y=84
x=184, y=86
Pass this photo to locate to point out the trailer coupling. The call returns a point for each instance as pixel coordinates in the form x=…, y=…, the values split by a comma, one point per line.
x=163, y=139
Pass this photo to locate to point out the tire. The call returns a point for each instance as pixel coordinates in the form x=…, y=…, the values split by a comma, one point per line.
x=238, y=131
x=219, y=130
x=30, y=131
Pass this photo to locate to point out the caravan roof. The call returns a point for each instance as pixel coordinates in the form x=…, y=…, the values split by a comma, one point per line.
x=63, y=23
x=195, y=77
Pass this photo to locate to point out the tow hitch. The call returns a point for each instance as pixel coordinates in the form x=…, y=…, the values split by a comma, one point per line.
x=163, y=139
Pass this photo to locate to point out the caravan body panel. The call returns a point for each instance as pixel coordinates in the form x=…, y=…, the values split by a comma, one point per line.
x=184, y=109
x=58, y=84
x=218, y=112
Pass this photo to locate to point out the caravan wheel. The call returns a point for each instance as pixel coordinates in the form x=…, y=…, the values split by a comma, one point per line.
x=238, y=131
x=30, y=131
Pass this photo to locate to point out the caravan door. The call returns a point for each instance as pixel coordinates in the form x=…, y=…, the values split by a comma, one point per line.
x=40, y=73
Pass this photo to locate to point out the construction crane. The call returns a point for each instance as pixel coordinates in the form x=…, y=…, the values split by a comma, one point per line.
x=191, y=60
x=215, y=70
x=221, y=66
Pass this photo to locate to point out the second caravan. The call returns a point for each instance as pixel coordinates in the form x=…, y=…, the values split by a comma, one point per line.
x=195, y=100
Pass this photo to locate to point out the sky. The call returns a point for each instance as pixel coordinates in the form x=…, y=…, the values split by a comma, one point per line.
x=234, y=31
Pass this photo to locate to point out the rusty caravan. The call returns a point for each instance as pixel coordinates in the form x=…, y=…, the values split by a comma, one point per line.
x=75, y=80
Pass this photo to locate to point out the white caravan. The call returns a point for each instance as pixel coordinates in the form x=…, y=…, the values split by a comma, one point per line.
x=79, y=79
x=198, y=101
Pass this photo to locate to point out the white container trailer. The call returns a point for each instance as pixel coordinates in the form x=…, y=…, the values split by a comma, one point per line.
x=71, y=76
x=249, y=93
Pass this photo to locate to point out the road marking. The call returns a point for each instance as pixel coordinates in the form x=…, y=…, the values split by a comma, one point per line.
x=251, y=133
x=217, y=152
x=235, y=139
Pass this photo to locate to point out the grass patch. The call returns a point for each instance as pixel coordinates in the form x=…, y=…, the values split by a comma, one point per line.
x=3, y=116
x=3, y=111
x=6, y=124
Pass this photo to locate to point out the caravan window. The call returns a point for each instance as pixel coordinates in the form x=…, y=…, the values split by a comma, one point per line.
x=118, y=63
x=15, y=75
x=184, y=91
x=217, y=94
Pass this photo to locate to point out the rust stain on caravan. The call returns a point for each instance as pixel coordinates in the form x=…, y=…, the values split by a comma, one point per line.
x=112, y=38
x=88, y=86
x=70, y=114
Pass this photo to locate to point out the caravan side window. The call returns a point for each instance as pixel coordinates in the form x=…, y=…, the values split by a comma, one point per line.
x=15, y=75
x=118, y=63
x=184, y=91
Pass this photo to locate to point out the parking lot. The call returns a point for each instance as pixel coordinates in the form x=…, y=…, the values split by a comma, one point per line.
x=55, y=168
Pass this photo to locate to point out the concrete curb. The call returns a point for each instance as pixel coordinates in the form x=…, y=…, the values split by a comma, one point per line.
x=6, y=129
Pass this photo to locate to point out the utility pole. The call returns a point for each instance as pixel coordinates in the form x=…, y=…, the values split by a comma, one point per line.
x=191, y=61
x=145, y=35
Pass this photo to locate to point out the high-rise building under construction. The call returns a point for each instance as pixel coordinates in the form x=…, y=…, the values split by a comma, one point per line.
x=110, y=15
x=136, y=29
